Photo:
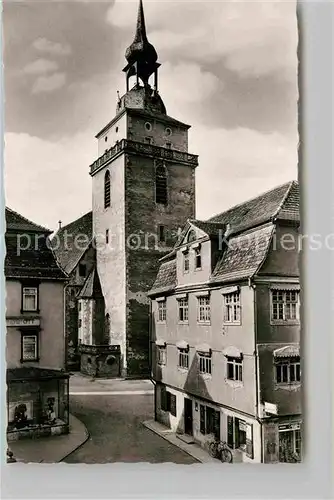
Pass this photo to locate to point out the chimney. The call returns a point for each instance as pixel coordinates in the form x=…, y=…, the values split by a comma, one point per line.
x=59, y=224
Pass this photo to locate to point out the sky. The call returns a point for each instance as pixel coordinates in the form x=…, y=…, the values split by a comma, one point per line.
x=228, y=68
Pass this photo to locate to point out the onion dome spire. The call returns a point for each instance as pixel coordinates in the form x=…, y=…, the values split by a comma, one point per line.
x=141, y=55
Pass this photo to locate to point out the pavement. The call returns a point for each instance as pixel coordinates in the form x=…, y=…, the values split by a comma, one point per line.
x=113, y=412
x=50, y=449
x=192, y=449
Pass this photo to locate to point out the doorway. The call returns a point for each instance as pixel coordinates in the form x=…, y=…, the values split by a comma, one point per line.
x=188, y=416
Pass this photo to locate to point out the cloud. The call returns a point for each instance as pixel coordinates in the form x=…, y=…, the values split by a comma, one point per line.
x=237, y=164
x=254, y=38
x=47, y=181
x=49, y=83
x=56, y=48
x=39, y=67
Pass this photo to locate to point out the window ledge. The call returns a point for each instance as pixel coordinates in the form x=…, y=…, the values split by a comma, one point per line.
x=292, y=386
x=206, y=376
x=284, y=322
x=204, y=323
x=232, y=323
x=29, y=360
x=182, y=370
x=183, y=322
x=236, y=384
x=24, y=311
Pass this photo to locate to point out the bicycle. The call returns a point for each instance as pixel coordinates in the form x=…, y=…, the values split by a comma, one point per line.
x=219, y=449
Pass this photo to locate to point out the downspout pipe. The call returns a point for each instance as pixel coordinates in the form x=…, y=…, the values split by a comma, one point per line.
x=150, y=360
x=253, y=286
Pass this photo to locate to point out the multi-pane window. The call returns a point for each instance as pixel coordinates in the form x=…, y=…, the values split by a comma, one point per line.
x=186, y=262
x=287, y=370
x=209, y=421
x=240, y=435
x=234, y=368
x=161, y=185
x=232, y=307
x=162, y=311
x=161, y=355
x=290, y=443
x=205, y=364
x=183, y=359
x=285, y=304
x=107, y=189
x=198, y=258
x=29, y=347
x=168, y=401
x=204, y=312
x=183, y=310
x=29, y=298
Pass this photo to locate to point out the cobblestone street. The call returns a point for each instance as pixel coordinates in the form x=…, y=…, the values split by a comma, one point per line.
x=113, y=412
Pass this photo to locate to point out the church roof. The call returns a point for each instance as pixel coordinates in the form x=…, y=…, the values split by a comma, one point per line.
x=28, y=253
x=249, y=230
x=71, y=242
x=91, y=287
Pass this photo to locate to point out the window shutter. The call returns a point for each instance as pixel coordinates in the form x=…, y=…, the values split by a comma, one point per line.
x=173, y=404
x=249, y=441
x=163, y=394
x=236, y=433
x=168, y=397
x=202, y=419
x=230, y=431
x=216, y=429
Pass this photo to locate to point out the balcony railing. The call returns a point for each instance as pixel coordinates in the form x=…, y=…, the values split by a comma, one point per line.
x=133, y=147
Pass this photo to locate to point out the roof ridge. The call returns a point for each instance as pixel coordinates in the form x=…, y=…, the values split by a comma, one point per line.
x=283, y=199
x=73, y=221
x=250, y=199
x=28, y=220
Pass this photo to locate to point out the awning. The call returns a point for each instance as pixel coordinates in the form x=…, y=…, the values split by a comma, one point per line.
x=285, y=286
x=160, y=343
x=289, y=351
x=232, y=352
x=203, y=348
x=182, y=344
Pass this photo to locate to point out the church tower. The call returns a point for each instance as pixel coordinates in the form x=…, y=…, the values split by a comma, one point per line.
x=143, y=192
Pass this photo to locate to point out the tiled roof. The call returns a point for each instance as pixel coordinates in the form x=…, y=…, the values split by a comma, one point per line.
x=33, y=373
x=16, y=222
x=243, y=255
x=65, y=242
x=282, y=202
x=28, y=254
x=91, y=287
x=212, y=229
x=166, y=278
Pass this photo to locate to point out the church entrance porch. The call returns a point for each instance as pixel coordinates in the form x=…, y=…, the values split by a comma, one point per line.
x=37, y=403
x=100, y=361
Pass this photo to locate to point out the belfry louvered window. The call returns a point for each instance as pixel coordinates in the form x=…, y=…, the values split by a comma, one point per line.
x=161, y=184
x=107, y=189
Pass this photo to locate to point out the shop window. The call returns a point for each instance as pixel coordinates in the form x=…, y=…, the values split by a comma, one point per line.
x=289, y=443
x=29, y=347
x=209, y=421
x=240, y=435
x=168, y=401
x=29, y=298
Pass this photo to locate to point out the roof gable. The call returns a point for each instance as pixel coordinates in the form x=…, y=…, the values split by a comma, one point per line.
x=16, y=222
x=72, y=241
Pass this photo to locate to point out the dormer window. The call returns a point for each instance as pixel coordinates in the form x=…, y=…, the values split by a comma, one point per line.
x=191, y=236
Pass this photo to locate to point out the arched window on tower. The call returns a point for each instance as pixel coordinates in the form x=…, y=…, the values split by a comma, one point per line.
x=107, y=189
x=161, y=184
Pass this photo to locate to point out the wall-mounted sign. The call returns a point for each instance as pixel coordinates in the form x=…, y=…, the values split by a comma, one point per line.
x=16, y=322
x=270, y=408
